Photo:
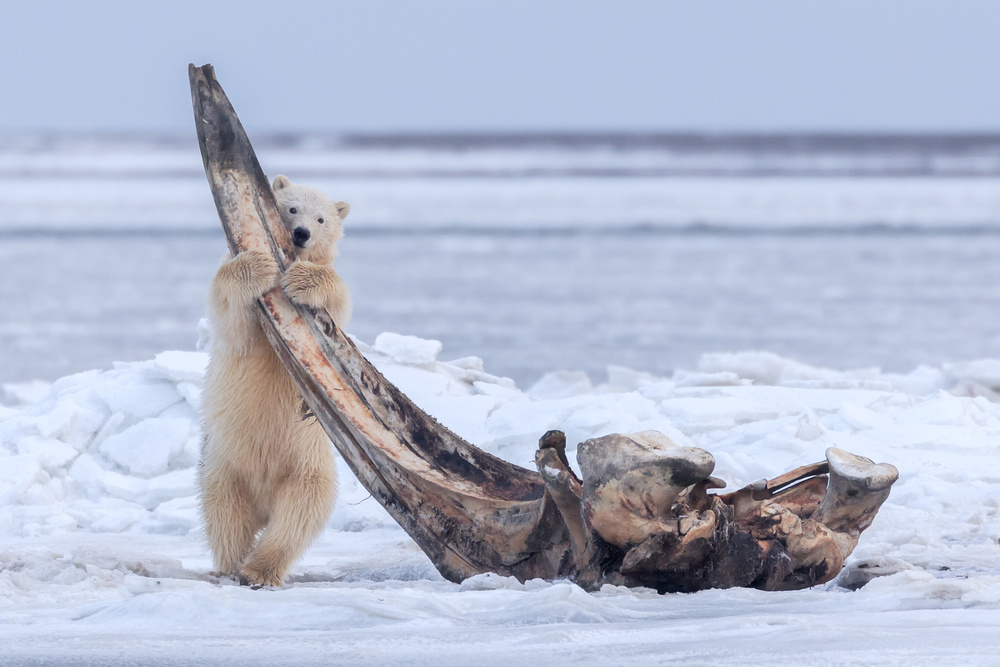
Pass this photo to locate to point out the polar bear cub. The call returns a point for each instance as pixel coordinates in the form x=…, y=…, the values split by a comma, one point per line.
x=267, y=478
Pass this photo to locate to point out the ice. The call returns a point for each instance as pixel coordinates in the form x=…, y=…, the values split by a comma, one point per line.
x=140, y=400
x=146, y=448
x=52, y=454
x=19, y=394
x=180, y=366
x=512, y=188
x=561, y=384
x=720, y=379
x=407, y=349
x=769, y=368
x=18, y=474
x=621, y=378
x=468, y=363
x=100, y=530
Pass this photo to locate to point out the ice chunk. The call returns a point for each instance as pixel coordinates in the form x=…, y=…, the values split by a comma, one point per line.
x=115, y=516
x=192, y=450
x=621, y=378
x=561, y=384
x=490, y=581
x=942, y=408
x=419, y=382
x=501, y=391
x=182, y=410
x=191, y=393
x=696, y=413
x=52, y=454
x=146, y=448
x=109, y=427
x=19, y=394
x=720, y=379
x=659, y=391
x=519, y=424
x=137, y=398
x=921, y=381
x=984, y=371
x=857, y=574
x=84, y=426
x=17, y=474
x=182, y=366
x=465, y=415
x=362, y=346
x=587, y=421
x=861, y=418
x=407, y=349
x=771, y=369
x=473, y=377
x=68, y=422
x=809, y=428
x=468, y=363
x=477, y=377
x=179, y=513
x=840, y=383
x=177, y=484
x=980, y=377
x=98, y=481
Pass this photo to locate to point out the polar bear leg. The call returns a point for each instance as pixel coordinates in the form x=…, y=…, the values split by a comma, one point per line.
x=298, y=514
x=229, y=521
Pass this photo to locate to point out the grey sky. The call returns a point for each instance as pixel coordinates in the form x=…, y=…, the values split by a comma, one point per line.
x=512, y=65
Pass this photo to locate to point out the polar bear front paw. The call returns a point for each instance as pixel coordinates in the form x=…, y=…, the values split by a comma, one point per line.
x=260, y=270
x=309, y=284
x=251, y=274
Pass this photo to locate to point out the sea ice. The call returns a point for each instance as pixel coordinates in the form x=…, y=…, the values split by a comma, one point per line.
x=99, y=515
x=407, y=349
x=145, y=449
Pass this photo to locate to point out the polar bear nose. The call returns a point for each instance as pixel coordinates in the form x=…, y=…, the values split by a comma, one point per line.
x=300, y=236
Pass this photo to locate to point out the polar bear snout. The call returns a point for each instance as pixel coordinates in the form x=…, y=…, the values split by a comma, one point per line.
x=300, y=235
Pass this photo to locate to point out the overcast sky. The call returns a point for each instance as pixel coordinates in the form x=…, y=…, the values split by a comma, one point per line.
x=747, y=65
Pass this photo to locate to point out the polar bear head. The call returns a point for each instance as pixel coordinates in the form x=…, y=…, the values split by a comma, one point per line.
x=313, y=219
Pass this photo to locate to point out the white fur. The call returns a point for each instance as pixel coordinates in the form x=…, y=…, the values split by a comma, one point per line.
x=267, y=477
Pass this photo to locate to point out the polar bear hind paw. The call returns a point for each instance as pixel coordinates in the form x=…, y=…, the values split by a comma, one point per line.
x=261, y=577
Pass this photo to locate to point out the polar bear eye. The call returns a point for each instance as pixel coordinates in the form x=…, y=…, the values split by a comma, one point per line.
x=320, y=221
x=293, y=210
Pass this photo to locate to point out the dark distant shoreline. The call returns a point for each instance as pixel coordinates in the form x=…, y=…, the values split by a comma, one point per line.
x=805, y=142
x=582, y=154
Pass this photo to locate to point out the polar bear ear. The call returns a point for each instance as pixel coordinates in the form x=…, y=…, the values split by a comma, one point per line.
x=280, y=182
x=343, y=208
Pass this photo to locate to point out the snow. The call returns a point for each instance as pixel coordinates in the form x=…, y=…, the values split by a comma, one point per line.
x=102, y=558
x=407, y=349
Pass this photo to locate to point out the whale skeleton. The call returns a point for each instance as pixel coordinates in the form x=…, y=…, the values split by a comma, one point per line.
x=642, y=513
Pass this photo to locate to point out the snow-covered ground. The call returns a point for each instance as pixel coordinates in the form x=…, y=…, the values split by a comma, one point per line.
x=102, y=560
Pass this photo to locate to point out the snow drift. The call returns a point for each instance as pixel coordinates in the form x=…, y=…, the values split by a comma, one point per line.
x=99, y=529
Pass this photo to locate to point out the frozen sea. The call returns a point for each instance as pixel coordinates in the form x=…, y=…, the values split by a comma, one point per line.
x=533, y=252
x=763, y=298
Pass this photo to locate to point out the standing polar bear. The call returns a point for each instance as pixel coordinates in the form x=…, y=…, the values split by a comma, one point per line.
x=268, y=478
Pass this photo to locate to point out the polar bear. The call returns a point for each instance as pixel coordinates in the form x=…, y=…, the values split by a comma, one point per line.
x=267, y=476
